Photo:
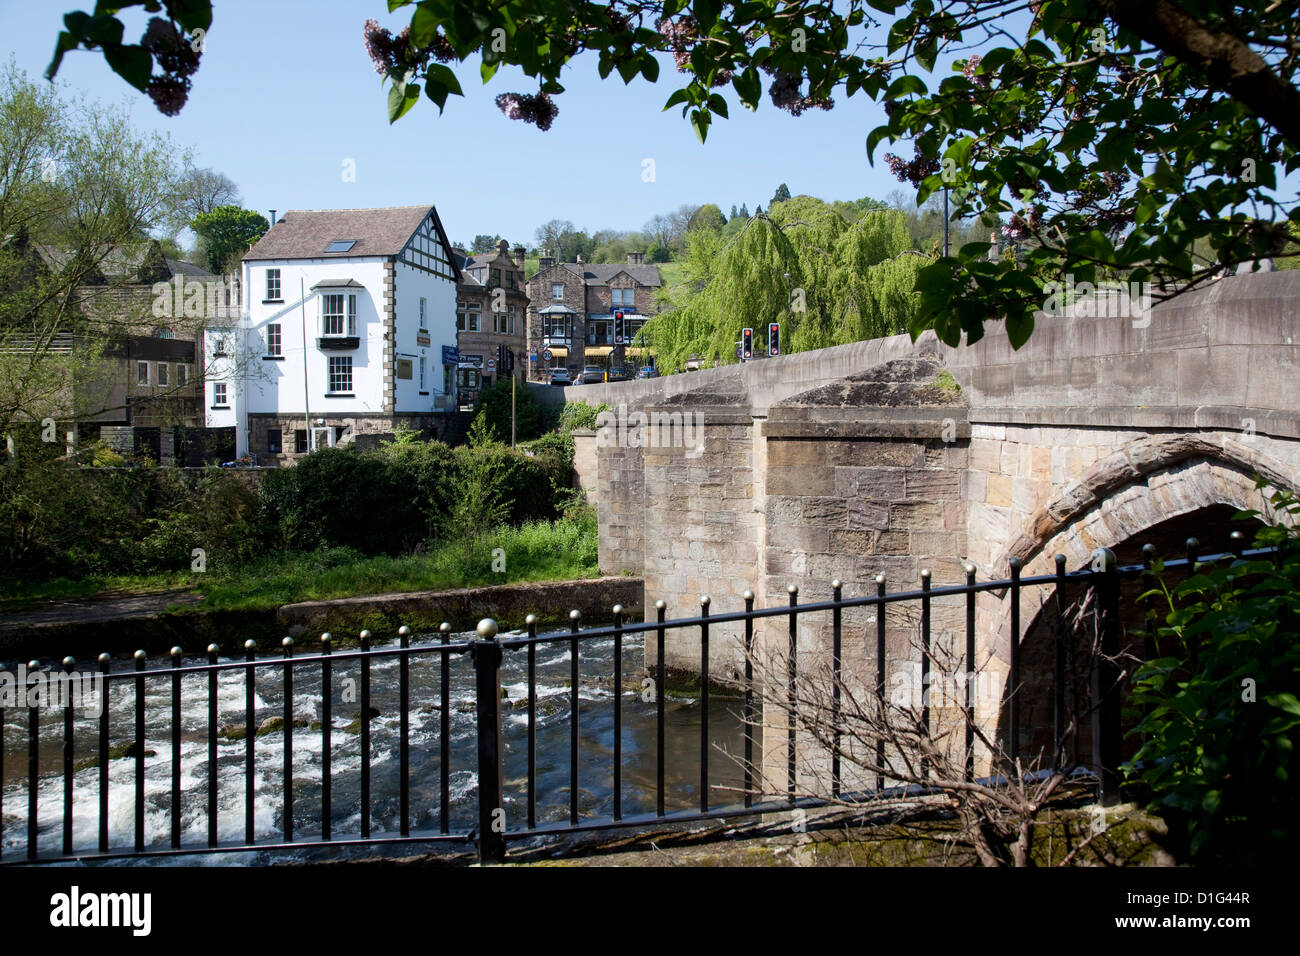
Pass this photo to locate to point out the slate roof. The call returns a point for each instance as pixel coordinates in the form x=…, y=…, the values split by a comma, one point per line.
x=599, y=273
x=306, y=233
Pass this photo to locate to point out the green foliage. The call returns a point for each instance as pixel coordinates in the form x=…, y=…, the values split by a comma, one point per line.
x=1220, y=716
x=226, y=233
x=79, y=190
x=846, y=282
x=580, y=415
x=493, y=406
x=338, y=497
x=1112, y=141
x=708, y=216
x=534, y=551
x=478, y=499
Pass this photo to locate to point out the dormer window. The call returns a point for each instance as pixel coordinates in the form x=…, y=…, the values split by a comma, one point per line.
x=341, y=245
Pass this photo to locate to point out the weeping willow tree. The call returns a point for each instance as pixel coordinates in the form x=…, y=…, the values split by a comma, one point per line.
x=826, y=280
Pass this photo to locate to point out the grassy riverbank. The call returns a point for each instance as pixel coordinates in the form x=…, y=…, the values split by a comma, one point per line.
x=564, y=549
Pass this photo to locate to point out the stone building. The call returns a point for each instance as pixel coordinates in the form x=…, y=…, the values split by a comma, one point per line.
x=572, y=308
x=491, y=318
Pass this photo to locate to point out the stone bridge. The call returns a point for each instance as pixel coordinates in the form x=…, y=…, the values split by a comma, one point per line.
x=889, y=456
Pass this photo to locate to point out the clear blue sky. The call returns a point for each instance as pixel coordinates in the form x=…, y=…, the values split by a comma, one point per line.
x=286, y=93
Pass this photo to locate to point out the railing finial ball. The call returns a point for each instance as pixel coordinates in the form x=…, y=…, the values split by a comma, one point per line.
x=139, y=655
x=530, y=620
x=287, y=642
x=748, y=595
x=105, y=657
x=403, y=631
x=793, y=589
x=880, y=578
x=487, y=629
x=213, y=648
x=661, y=605
x=176, y=652
x=705, y=600
x=969, y=567
x=575, y=615
x=837, y=584
x=69, y=662
x=326, y=637
x=618, y=609
x=365, y=635
x=925, y=573
x=250, y=644
x=35, y=665
x=444, y=628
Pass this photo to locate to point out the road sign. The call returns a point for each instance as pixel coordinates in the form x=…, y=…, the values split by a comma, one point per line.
x=491, y=363
x=547, y=355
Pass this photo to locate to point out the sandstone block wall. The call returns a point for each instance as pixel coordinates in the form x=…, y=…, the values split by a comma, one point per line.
x=620, y=505
x=701, y=538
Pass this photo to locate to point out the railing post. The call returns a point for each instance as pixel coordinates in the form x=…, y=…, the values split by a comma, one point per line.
x=487, y=655
x=1106, y=731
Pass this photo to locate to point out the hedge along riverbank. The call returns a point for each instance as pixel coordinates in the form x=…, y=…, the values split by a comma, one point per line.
x=58, y=520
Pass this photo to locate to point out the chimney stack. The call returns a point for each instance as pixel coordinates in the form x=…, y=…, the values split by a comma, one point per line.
x=273, y=217
x=545, y=261
x=996, y=252
x=636, y=258
x=518, y=256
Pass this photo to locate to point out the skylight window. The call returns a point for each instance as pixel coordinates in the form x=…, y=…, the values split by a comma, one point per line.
x=341, y=245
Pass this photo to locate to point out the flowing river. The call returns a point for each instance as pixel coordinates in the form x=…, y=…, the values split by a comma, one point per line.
x=595, y=779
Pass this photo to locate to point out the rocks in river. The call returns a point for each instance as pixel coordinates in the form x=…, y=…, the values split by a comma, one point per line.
x=273, y=724
x=116, y=752
x=546, y=706
x=269, y=725
x=355, y=726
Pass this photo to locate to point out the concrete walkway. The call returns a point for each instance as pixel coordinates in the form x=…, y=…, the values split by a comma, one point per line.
x=97, y=608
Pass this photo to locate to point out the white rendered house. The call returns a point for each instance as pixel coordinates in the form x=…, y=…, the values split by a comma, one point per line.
x=348, y=329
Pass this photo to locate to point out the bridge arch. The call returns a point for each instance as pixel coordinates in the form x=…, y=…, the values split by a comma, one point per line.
x=1161, y=489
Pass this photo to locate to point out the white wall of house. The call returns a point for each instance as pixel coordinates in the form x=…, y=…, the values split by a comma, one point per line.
x=297, y=381
x=221, y=361
x=411, y=285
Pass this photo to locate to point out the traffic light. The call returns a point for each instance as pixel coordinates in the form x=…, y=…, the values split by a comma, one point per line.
x=618, y=328
x=501, y=357
x=510, y=362
x=747, y=344
x=774, y=338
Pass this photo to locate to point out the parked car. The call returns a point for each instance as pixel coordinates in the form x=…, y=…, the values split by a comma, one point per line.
x=560, y=376
x=647, y=371
x=592, y=374
x=620, y=373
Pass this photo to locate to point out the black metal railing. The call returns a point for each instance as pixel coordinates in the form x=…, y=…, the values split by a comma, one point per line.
x=489, y=825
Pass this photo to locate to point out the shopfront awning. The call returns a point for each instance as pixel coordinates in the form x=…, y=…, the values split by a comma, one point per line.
x=599, y=351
